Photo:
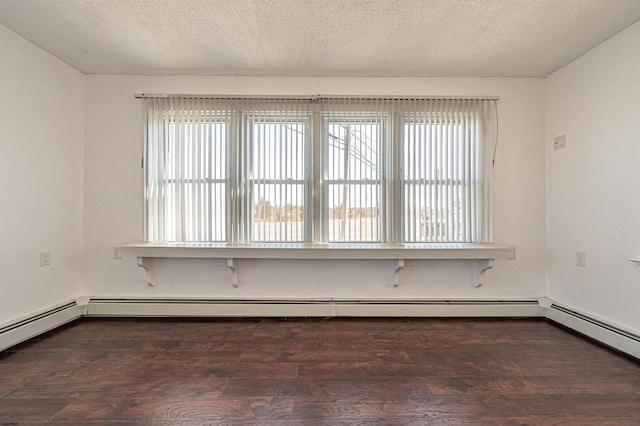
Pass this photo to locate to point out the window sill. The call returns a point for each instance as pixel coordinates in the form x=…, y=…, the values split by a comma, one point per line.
x=481, y=255
x=319, y=251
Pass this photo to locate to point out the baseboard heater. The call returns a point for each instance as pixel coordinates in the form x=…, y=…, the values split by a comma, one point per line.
x=607, y=334
x=610, y=335
x=312, y=308
x=24, y=329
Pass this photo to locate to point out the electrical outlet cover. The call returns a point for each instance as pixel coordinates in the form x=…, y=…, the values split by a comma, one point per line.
x=45, y=258
x=560, y=142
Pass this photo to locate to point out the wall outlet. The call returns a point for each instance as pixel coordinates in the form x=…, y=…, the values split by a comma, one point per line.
x=560, y=142
x=581, y=258
x=45, y=258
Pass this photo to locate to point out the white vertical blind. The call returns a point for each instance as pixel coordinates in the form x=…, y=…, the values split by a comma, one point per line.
x=186, y=169
x=354, y=135
x=390, y=169
x=445, y=178
x=277, y=173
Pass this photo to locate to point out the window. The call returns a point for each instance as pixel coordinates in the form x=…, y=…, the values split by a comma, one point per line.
x=444, y=174
x=353, y=146
x=318, y=169
x=186, y=173
x=277, y=177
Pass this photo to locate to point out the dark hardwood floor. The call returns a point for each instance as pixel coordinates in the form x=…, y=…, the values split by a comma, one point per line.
x=317, y=372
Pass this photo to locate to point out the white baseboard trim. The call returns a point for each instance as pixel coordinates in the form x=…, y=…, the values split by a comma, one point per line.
x=614, y=336
x=28, y=327
x=311, y=308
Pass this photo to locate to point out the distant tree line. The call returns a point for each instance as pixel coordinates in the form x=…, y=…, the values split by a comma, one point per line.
x=267, y=212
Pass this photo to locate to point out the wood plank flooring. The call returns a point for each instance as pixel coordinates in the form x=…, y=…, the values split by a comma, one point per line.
x=317, y=372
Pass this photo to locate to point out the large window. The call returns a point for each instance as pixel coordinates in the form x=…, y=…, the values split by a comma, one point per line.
x=318, y=169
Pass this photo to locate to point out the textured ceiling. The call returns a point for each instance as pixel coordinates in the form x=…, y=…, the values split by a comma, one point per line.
x=432, y=38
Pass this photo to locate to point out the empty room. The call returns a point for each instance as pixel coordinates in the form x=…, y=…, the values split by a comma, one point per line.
x=286, y=212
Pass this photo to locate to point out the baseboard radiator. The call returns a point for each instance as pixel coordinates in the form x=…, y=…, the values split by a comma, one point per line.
x=26, y=328
x=311, y=308
x=607, y=334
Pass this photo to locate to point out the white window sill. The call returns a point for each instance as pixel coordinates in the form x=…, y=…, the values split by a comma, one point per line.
x=480, y=254
x=319, y=251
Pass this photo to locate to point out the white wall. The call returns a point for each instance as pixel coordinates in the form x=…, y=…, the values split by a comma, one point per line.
x=113, y=198
x=54, y=198
x=41, y=149
x=593, y=185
